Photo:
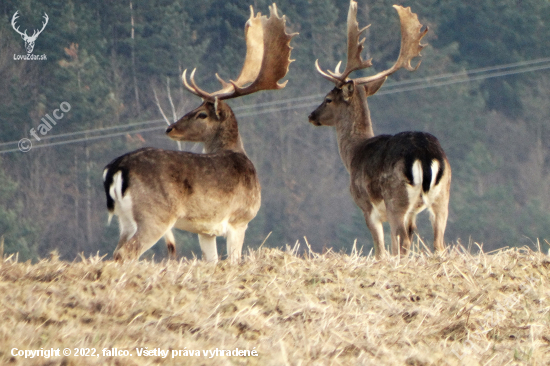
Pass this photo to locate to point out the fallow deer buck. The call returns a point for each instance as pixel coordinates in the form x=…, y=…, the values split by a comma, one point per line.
x=392, y=178
x=212, y=194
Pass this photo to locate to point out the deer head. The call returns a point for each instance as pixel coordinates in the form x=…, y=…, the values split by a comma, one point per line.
x=213, y=125
x=29, y=40
x=410, y=48
x=266, y=62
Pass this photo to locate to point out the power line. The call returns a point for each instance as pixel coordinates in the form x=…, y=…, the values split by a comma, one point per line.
x=464, y=79
x=86, y=139
x=390, y=84
x=466, y=73
x=396, y=87
x=97, y=130
x=463, y=74
x=467, y=79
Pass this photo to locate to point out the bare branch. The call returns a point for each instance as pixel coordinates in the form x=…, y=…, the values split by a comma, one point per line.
x=175, y=117
x=160, y=108
x=157, y=102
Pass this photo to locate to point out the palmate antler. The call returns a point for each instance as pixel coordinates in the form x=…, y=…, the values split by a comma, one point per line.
x=266, y=62
x=410, y=48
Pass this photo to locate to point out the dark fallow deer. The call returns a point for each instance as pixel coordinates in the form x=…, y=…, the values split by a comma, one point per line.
x=212, y=194
x=392, y=177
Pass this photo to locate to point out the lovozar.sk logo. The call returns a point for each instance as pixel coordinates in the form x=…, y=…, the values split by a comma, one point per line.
x=29, y=40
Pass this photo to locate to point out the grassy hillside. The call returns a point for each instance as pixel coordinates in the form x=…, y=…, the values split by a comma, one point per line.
x=330, y=309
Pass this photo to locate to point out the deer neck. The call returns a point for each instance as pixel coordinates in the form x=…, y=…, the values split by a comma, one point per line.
x=354, y=128
x=226, y=138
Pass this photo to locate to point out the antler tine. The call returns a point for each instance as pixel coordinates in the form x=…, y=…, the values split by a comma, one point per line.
x=13, y=20
x=410, y=44
x=34, y=33
x=325, y=75
x=46, y=18
x=355, y=47
x=184, y=81
x=200, y=92
x=225, y=85
x=192, y=89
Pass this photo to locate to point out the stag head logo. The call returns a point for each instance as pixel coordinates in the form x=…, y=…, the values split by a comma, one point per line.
x=29, y=40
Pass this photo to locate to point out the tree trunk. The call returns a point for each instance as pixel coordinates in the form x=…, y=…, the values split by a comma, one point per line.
x=136, y=91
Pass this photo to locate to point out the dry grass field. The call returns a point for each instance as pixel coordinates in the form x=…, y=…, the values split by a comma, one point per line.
x=289, y=309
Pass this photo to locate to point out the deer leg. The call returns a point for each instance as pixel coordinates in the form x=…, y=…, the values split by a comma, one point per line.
x=377, y=231
x=235, y=239
x=125, y=232
x=400, y=241
x=144, y=238
x=170, y=244
x=412, y=225
x=208, y=247
x=397, y=198
x=438, y=216
x=128, y=228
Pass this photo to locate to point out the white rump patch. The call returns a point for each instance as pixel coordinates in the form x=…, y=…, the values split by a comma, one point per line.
x=123, y=207
x=435, y=190
x=417, y=173
x=435, y=170
x=115, y=191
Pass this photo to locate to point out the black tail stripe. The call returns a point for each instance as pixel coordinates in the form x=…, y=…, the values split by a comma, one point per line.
x=107, y=184
x=426, y=174
x=409, y=161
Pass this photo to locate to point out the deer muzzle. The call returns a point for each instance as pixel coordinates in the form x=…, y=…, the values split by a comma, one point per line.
x=313, y=119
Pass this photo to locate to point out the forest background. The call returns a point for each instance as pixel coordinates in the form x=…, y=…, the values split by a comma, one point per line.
x=483, y=89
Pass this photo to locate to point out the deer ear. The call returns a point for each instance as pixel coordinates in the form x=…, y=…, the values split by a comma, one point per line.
x=372, y=87
x=348, y=89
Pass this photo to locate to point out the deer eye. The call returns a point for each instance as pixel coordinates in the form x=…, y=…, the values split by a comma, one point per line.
x=202, y=115
x=328, y=100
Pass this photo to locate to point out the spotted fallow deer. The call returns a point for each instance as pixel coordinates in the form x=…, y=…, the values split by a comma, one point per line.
x=392, y=177
x=212, y=194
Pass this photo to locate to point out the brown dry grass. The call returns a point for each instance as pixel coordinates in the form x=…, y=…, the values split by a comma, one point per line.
x=330, y=309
